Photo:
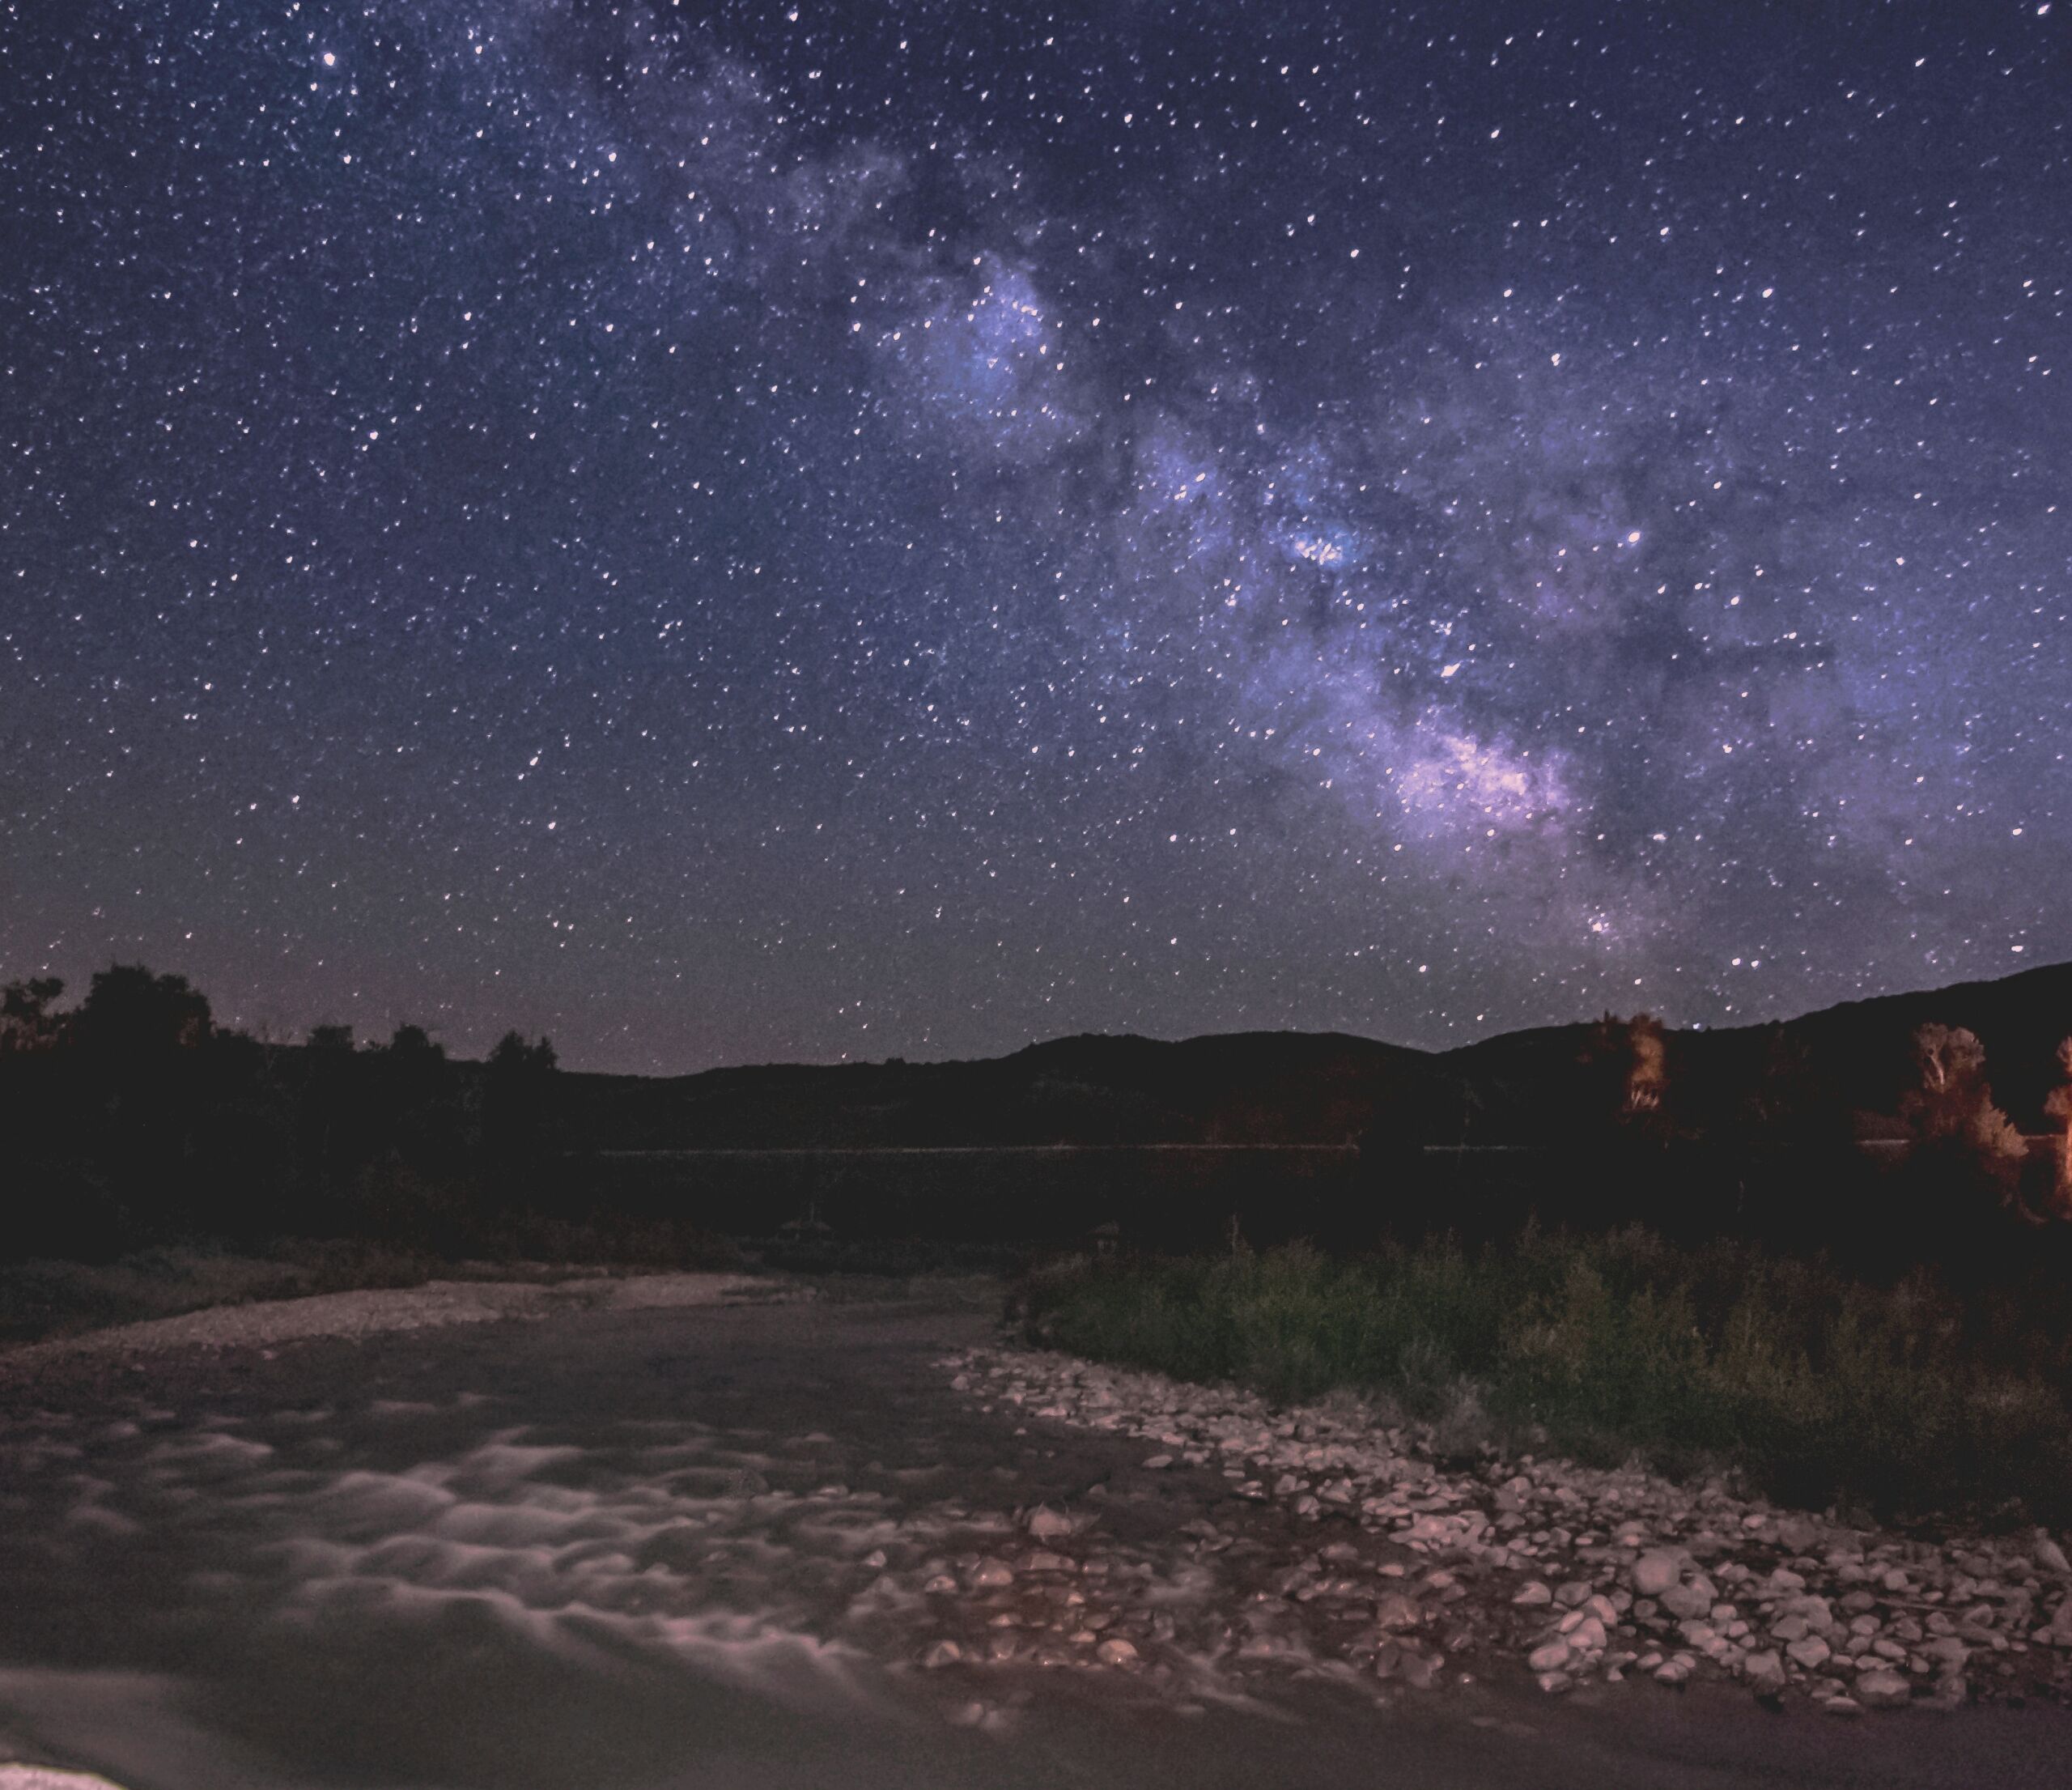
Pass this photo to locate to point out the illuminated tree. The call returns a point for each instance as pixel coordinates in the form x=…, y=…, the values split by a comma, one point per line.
x=2058, y=1106
x=1647, y=1064
x=1952, y=1110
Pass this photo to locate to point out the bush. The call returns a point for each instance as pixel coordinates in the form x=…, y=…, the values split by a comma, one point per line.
x=1906, y=1399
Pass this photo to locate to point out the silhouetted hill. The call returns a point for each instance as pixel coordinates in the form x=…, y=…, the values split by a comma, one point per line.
x=133, y=1117
x=1841, y=1069
x=1240, y=1088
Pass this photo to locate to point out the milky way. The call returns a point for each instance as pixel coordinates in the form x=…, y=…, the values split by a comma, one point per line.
x=724, y=533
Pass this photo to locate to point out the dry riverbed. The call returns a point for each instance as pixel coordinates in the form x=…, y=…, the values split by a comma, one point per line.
x=373, y=1311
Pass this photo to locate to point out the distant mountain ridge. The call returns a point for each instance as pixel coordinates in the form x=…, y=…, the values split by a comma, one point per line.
x=1853, y=1062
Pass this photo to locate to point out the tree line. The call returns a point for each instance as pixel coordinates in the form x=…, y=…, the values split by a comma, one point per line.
x=134, y=1116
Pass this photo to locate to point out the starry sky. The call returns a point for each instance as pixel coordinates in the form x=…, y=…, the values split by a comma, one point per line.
x=746, y=531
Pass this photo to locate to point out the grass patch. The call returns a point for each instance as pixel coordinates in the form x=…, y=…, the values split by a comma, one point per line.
x=1905, y=1401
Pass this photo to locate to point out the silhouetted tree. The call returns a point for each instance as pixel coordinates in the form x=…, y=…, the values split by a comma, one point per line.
x=27, y=1023
x=141, y=1037
x=130, y=1016
x=415, y=1094
x=520, y=1116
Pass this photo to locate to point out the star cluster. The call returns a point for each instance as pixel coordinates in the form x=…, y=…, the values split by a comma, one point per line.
x=725, y=532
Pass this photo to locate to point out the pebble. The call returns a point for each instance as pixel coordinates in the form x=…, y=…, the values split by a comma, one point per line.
x=1397, y=1609
x=1635, y=1575
x=1882, y=1689
x=1656, y=1572
x=1047, y=1525
x=1763, y=1672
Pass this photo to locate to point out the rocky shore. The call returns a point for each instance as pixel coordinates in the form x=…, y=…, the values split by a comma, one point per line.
x=1341, y=1547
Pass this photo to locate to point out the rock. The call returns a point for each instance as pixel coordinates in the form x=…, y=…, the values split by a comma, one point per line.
x=1687, y=1602
x=1789, y=1628
x=1656, y=1572
x=942, y=1653
x=1882, y=1689
x=1811, y=1651
x=1047, y=1525
x=1115, y=1651
x=1420, y=1670
x=1763, y=1672
x=2050, y=1556
x=1672, y=1672
x=1797, y=1534
x=1553, y=1683
x=1532, y=1594
x=1950, y=1652
x=1952, y=1692
x=2058, y=1633
x=1397, y=1609
x=990, y=1575
x=1549, y=1656
x=1159, y=1460
x=1587, y=1636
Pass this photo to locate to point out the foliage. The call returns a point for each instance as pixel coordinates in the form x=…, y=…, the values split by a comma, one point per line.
x=1906, y=1398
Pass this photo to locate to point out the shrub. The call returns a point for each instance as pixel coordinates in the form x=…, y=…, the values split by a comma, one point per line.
x=1905, y=1398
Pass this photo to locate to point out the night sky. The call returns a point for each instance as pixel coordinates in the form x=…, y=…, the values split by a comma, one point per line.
x=724, y=533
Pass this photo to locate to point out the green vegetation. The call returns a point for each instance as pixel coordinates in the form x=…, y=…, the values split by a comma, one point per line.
x=1906, y=1400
